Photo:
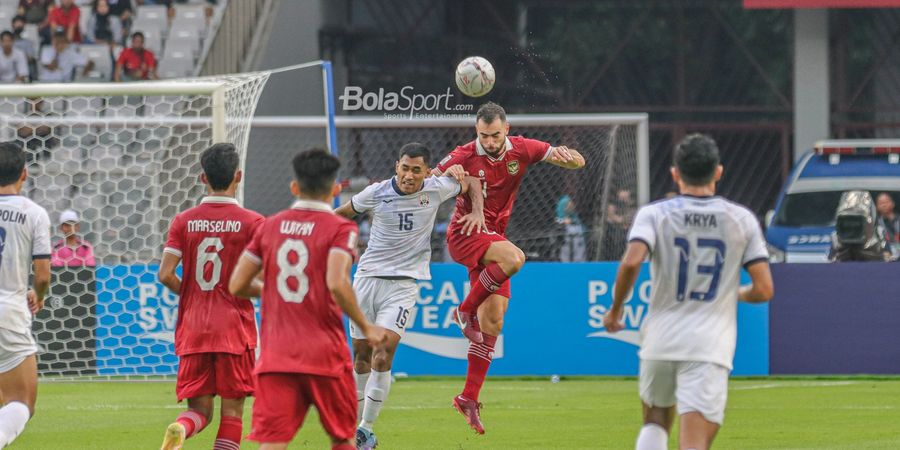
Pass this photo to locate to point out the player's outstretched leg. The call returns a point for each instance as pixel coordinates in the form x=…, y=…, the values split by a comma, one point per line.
x=19, y=388
x=480, y=357
x=501, y=261
x=188, y=423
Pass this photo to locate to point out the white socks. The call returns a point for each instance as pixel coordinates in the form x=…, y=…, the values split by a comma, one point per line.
x=376, y=392
x=13, y=418
x=652, y=437
x=361, y=380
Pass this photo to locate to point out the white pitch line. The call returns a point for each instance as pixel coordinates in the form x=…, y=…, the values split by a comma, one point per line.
x=794, y=384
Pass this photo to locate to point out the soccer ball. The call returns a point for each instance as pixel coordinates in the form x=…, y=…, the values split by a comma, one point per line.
x=475, y=76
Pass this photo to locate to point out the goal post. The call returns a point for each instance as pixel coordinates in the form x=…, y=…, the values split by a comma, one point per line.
x=125, y=157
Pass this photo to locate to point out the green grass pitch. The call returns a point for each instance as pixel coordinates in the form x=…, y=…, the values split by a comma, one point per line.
x=581, y=413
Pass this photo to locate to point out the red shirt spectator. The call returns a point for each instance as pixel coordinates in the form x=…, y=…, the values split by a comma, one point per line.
x=136, y=62
x=67, y=16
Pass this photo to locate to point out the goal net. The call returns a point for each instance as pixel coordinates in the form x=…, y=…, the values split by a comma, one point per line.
x=559, y=215
x=125, y=157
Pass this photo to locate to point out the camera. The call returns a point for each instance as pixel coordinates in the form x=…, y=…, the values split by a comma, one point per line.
x=857, y=236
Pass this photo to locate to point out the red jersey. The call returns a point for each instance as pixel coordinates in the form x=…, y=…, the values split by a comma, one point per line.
x=60, y=17
x=209, y=238
x=302, y=328
x=133, y=60
x=500, y=177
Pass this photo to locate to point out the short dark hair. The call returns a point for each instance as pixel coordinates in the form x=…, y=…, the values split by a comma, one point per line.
x=490, y=111
x=416, y=150
x=315, y=171
x=19, y=18
x=138, y=34
x=696, y=158
x=219, y=163
x=6, y=33
x=12, y=162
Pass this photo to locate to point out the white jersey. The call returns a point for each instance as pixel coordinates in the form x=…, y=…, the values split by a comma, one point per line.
x=400, y=239
x=698, y=246
x=24, y=236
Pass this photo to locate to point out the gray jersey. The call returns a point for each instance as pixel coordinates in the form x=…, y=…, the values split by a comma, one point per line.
x=400, y=239
x=24, y=236
x=698, y=246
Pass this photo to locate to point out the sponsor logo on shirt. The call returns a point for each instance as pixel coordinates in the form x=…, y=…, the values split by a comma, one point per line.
x=635, y=310
x=512, y=167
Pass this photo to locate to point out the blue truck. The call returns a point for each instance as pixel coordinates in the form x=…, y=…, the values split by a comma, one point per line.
x=799, y=229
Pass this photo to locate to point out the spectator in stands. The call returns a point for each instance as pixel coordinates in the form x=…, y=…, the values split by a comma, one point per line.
x=573, y=247
x=888, y=218
x=136, y=62
x=13, y=63
x=27, y=46
x=59, y=61
x=68, y=17
x=71, y=250
x=619, y=216
x=121, y=9
x=38, y=13
x=103, y=27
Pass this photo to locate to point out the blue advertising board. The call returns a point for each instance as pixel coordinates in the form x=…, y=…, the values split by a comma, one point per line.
x=553, y=325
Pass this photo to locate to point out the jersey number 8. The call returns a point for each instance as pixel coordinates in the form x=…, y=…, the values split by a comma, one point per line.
x=287, y=269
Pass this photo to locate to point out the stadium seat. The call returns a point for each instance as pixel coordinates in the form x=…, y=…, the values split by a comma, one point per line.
x=175, y=68
x=103, y=63
x=179, y=50
x=195, y=24
x=6, y=14
x=85, y=16
x=154, y=16
x=190, y=11
x=31, y=33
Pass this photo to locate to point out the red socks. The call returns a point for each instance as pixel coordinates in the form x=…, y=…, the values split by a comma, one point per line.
x=489, y=281
x=344, y=446
x=229, y=436
x=193, y=422
x=480, y=357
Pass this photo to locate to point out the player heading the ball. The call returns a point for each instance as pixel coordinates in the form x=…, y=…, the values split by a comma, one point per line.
x=499, y=161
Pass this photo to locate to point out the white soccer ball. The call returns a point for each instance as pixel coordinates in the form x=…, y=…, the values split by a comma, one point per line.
x=475, y=76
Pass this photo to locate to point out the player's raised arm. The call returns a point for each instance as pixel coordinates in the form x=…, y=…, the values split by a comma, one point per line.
x=346, y=210
x=565, y=157
x=338, y=280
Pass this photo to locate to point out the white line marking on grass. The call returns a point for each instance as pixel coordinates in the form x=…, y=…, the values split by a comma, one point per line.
x=794, y=384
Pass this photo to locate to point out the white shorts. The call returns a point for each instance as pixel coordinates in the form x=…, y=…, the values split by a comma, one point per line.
x=385, y=303
x=693, y=385
x=14, y=348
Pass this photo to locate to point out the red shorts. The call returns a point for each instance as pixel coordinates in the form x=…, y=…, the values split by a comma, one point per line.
x=468, y=251
x=282, y=400
x=223, y=374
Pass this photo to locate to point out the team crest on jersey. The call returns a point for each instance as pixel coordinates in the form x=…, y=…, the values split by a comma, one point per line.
x=512, y=167
x=423, y=200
